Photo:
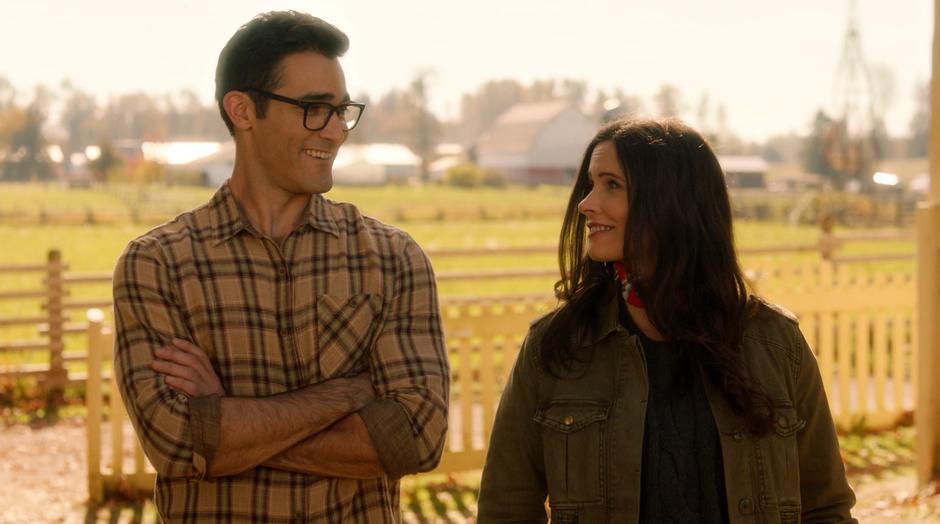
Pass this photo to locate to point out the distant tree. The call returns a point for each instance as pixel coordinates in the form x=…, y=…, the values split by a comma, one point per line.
x=26, y=159
x=884, y=89
x=7, y=92
x=479, y=110
x=426, y=128
x=136, y=115
x=880, y=139
x=187, y=118
x=107, y=163
x=783, y=148
x=703, y=116
x=574, y=91
x=668, y=101
x=365, y=129
x=607, y=107
x=920, y=123
x=541, y=90
x=79, y=118
x=816, y=147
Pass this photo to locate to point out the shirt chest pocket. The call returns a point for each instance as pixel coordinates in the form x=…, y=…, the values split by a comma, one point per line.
x=346, y=330
x=573, y=438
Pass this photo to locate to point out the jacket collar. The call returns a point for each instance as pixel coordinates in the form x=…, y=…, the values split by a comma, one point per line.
x=608, y=320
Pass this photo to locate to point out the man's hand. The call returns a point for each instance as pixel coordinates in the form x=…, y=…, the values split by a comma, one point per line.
x=187, y=369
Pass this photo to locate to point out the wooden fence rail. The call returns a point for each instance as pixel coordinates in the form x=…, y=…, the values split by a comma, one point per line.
x=861, y=326
x=54, y=321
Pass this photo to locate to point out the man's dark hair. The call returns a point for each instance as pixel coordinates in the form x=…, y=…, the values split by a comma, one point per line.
x=252, y=57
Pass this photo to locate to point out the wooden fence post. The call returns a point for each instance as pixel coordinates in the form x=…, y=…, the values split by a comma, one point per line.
x=93, y=402
x=57, y=377
x=927, y=416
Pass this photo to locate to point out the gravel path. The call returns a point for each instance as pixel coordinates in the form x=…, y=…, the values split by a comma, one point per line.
x=42, y=480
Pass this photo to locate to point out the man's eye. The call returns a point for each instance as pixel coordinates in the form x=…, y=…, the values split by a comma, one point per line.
x=318, y=109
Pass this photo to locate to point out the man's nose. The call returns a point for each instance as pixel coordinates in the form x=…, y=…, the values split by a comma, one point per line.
x=335, y=129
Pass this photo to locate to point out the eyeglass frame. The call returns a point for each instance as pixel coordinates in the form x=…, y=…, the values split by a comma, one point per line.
x=307, y=105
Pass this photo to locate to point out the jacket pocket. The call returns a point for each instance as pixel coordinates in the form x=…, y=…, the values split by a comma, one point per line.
x=780, y=463
x=787, y=422
x=573, y=446
x=345, y=331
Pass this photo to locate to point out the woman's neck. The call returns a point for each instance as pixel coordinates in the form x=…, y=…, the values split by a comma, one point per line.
x=643, y=323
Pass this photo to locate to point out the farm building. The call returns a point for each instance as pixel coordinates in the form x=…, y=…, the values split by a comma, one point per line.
x=536, y=143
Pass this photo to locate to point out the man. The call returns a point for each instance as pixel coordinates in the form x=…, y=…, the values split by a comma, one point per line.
x=280, y=355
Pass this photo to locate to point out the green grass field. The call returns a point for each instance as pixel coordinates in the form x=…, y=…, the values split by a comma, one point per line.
x=513, y=217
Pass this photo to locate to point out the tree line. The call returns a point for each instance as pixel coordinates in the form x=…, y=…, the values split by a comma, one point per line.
x=72, y=119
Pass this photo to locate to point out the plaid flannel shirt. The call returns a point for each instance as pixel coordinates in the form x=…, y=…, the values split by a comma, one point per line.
x=343, y=294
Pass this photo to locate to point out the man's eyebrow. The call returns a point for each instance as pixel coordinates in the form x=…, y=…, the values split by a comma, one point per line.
x=321, y=97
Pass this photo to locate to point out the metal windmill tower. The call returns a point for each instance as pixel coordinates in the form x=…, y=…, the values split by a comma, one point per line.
x=850, y=147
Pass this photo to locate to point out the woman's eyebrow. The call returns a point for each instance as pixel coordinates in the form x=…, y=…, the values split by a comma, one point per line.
x=611, y=174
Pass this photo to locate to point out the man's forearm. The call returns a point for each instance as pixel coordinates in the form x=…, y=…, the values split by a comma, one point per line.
x=343, y=450
x=252, y=430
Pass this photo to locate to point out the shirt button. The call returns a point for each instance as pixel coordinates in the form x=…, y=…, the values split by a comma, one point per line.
x=782, y=421
x=281, y=271
x=746, y=506
x=738, y=436
x=569, y=420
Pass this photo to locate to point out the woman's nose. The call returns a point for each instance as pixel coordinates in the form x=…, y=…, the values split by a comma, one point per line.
x=586, y=205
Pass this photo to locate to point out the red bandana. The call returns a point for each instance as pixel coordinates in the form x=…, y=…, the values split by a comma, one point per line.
x=628, y=292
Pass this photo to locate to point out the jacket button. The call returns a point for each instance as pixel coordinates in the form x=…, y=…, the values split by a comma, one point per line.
x=782, y=421
x=738, y=436
x=569, y=420
x=746, y=506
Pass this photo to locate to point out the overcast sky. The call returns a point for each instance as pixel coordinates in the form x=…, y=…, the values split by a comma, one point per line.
x=771, y=63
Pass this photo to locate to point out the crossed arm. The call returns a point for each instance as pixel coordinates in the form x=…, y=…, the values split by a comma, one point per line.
x=391, y=422
x=314, y=430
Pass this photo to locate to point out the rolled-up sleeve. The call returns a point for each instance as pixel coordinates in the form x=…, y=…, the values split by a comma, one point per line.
x=178, y=434
x=410, y=372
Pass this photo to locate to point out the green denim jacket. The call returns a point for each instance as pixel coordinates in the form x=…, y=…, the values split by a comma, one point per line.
x=579, y=440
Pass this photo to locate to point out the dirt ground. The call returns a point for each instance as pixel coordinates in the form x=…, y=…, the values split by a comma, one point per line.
x=42, y=480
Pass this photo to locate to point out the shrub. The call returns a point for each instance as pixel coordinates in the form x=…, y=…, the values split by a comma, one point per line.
x=464, y=175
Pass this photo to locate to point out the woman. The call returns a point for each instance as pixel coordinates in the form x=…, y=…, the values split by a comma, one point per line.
x=660, y=391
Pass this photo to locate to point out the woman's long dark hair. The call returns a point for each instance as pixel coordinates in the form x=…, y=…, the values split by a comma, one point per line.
x=679, y=240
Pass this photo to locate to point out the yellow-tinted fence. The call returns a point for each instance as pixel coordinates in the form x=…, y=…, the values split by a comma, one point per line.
x=862, y=327
x=44, y=355
x=483, y=338
x=50, y=323
x=106, y=463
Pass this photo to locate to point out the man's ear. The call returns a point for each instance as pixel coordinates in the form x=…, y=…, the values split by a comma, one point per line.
x=240, y=109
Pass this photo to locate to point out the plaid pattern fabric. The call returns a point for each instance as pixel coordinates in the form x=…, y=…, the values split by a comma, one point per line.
x=342, y=294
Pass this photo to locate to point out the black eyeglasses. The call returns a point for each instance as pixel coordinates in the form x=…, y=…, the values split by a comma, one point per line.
x=318, y=114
